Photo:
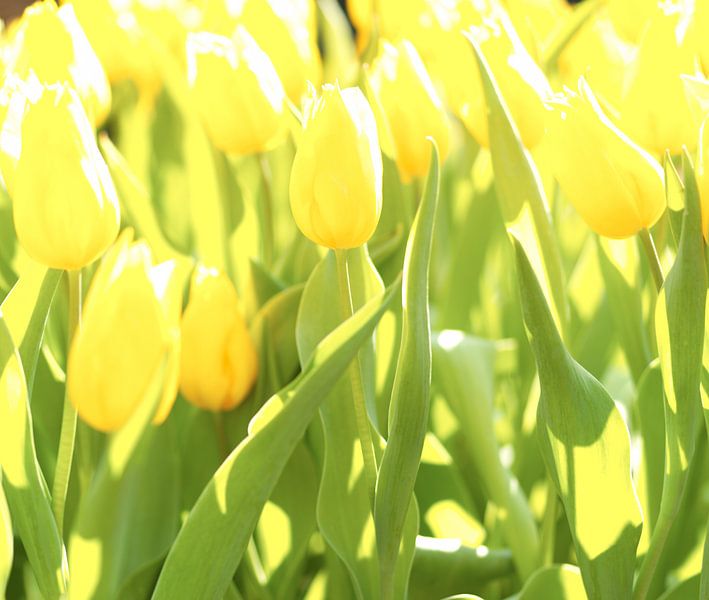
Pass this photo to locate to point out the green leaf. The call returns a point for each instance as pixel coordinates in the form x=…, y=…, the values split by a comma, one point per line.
x=213, y=539
x=410, y=398
x=586, y=447
x=344, y=508
x=446, y=566
x=25, y=488
x=128, y=517
x=464, y=369
x=521, y=194
x=558, y=582
x=686, y=590
x=6, y=541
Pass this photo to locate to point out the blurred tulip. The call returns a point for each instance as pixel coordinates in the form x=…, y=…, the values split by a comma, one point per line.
x=601, y=56
x=655, y=111
x=522, y=83
x=630, y=17
x=616, y=186
x=65, y=206
x=285, y=30
x=336, y=180
x=361, y=13
x=129, y=331
x=236, y=91
x=701, y=27
x=411, y=106
x=114, y=34
x=703, y=175
x=536, y=20
x=219, y=362
x=51, y=43
x=169, y=21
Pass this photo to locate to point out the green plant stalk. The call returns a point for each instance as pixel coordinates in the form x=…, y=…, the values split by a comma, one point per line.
x=653, y=258
x=266, y=211
x=354, y=374
x=548, y=534
x=67, y=438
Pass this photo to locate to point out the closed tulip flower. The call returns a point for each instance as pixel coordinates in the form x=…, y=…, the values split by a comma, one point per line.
x=411, y=107
x=236, y=91
x=336, y=179
x=129, y=331
x=703, y=175
x=219, y=362
x=655, y=111
x=701, y=26
x=51, y=43
x=630, y=17
x=616, y=186
x=285, y=29
x=65, y=205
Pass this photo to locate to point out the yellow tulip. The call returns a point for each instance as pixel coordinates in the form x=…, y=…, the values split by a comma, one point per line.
x=51, y=43
x=601, y=56
x=701, y=26
x=336, y=179
x=655, y=111
x=703, y=175
x=615, y=185
x=129, y=331
x=236, y=91
x=522, y=83
x=219, y=362
x=361, y=13
x=286, y=31
x=65, y=205
x=630, y=17
x=411, y=107
x=116, y=37
x=536, y=20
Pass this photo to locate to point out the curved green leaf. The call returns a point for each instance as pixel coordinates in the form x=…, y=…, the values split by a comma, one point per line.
x=410, y=398
x=6, y=541
x=558, y=582
x=344, y=509
x=586, y=447
x=213, y=539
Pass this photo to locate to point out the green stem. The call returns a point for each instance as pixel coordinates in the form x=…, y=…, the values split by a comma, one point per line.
x=65, y=453
x=654, y=553
x=549, y=525
x=653, y=258
x=266, y=211
x=363, y=426
x=222, y=438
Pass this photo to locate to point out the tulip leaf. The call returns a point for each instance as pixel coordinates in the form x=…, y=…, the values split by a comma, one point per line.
x=521, y=194
x=6, y=541
x=586, y=448
x=689, y=589
x=410, y=397
x=136, y=207
x=25, y=487
x=344, y=509
x=463, y=369
x=558, y=582
x=212, y=541
x=445, y=566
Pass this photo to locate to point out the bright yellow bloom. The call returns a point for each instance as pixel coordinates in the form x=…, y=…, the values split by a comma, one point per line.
x=703, y=175
x=523, y=85
x=361, y=13
x=129, y=331
x=115, y=35
x=655, y=112
x=286, y=31
x=236, y=91
x=536, y=20
x=701, y=26
x=51, y=42
x=601, y=56
x=630, y=17
x=219, y=362
x=65, y=206
x=616, y=186
x=336, y=180
x=411, y=106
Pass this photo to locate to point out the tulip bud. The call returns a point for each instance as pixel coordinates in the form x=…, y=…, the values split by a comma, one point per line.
x=703, y=175
x=236, y=91
x=50, y=42
x=411, y=106
x=129, y=331
x=616, y=186
x=536, y=20
x=655, y=112
x=701, y=26
x=219, y=362
x=285, y=29
x=630, y=17
x=65, y=206
x=336, y=179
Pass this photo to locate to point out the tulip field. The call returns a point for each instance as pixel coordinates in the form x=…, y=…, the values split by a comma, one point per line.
x=360, y=300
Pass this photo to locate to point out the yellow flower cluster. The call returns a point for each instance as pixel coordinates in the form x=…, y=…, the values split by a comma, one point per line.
x=602, y=109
